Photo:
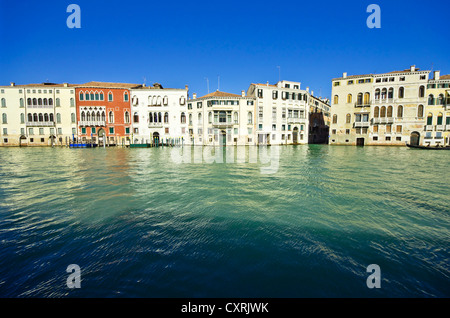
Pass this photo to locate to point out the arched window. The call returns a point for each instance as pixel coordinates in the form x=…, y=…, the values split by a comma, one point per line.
x=45, y=102
x=166, y=100
x=111, y=117
x=383, y=111
x=4, y=118
x=97, y=96
x=182, y=100
x=439, y=119
x=349, y=98
x=134, y=99
x=22, y=118
x=431, y=99
x=50, y=101
x=127, y=117
x=210, y=117
x=88, y=116
x=110, y=97
x=190, y=119
x=420, y=111
x=236, y=117
x=46, y=117
x=366, y=98
x=154, y=100
x=401, y=92
x=158, y=101
x=250, y=118
x=149, y=101
x=166, y=118
x=155, y=118
x=34, y=101
x=41, y=118
x=359, y=99
x=391, y=93
x=58, y=118
x=21, y=102
x=389, y=111
x=30, y=117
x=93, y=116
x=376, y=112
x=35, y=117
x=430, y=119
x=440, y=100
x=72, y=117
x=58, y=102
x=422, y=91
x=92, y=96
x=199, y=118
x=39, y=102
x=28, y=101
x=334, y=119
x=83, y=116
x=72, y=102
x=87, y=96
x=125, y=98
x=348, y=118
x=99, y=117
x=102, y=97
x=103, y=116
x=81, y=96
x=383, y=93
x=336, y=99
x=400, y=111
x=183, y=118
x=377, y=94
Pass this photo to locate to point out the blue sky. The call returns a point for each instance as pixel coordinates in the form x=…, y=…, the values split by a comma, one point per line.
x=178, y=43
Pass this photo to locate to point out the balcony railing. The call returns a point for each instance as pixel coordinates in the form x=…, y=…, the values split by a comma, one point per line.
x=41, y=123
x=292, y=120
x=362, y=124
x=155, y=125
x=223, y=124
x=383, y=120
x=428, y=128
x=95, y=123
x=439, y=127
x=362, y=104
x=447, y=127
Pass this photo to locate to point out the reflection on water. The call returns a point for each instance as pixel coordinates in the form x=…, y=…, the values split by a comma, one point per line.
x=141, y=223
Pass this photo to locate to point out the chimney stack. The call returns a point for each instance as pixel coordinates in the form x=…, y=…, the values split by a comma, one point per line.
x=344, y=75
x=437, y=75
x=186, y=87
x=66, y=85
x=194, y=96
x=413, y=68
x=312, y=93
x=13, y=84
x=307, y=89
x=243, y=93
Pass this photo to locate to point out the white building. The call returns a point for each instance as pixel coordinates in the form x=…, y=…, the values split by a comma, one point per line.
x=37, y=114
x=159, y=114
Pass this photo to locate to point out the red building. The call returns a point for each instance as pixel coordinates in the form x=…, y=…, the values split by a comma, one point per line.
x=104, y=113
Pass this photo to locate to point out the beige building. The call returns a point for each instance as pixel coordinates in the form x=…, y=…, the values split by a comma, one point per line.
x=37, y=114
x=437, y=125
x=379, y=109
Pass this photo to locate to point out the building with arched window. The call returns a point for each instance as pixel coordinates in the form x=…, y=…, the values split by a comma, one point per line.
x=389, y=107
x=161, y=114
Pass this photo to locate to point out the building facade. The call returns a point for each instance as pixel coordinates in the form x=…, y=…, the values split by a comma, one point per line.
x=379, y=109
x=281, y=113
x=37, y=114
x=104, y=113
x=159, y=114
x=319, y=120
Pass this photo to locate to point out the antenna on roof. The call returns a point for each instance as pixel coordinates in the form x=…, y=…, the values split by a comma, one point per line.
x=207, y=83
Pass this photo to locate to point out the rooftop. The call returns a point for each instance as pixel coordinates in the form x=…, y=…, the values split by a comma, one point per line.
x=109, y=85
x=220, y=94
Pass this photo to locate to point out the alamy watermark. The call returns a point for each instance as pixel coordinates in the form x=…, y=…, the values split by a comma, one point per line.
x=74, y=279
x=374, y=279
x=74, y=19
x=374, y=20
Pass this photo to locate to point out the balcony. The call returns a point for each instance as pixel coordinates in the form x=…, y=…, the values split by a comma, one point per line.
x=94, y=123
x=383, y=120
x=447, y=127
x=40, y=123
x=292, y=120
x=362, y=104
x=361, y=124
x=223, y=124
x=428, y=128
x=439, y=127
x=155, y=125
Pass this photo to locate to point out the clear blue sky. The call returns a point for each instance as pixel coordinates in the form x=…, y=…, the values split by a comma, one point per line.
x=178, y=43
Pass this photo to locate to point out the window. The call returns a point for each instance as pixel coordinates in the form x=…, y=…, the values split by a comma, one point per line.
x=430, y=119
x=199, y=104
x=333, y=132
x=335, y=119
x=111, y=130
x=422, y=91
x=41, y=131
x=110, y=97
x=440, y=100
x=97, y=96
x=349, y=98
x=337, y=83
x=336, y=99
x=366, y=98
x=3, y=102
x=111, y=117
x=420, y=111
x=183, y=118
x=391, y=93
x=347, y=131
x=127, y=117
x=73, y=119
x=275, y=95
x=400, y=111
x=81, y=96
x=260, y=93
x=383, y=93
x=389, y=111
x=399, y=129
x=58, y=118
x=383, y=111
x=166, y=118
x=348, y=119
x=350, y=83
x=401, y=92
x=376, y=112
x=377, y=94
x=4, y=118
x=431, y=99
x=58, y=102
x=125, y=97
x=250, y=118
x=439, y=119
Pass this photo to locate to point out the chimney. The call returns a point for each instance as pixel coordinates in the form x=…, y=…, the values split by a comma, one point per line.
x=312, y=93
x=437, y=75
x=13, y=84
x=307, y=89
x=66, y=85
x=243, y=93
x=267, y=84
x=186, y=87
x=413, y=68
x=194, y=96
x=344, y=75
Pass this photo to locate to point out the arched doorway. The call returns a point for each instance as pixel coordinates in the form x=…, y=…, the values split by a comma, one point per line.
x=414, y=139
x=156, y=138
x=295, y=135
x=101, y=137
x=23, y=141
x=52, y=140
x=223, y=138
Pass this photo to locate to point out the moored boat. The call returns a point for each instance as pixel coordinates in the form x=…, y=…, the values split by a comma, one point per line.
x=429, y=147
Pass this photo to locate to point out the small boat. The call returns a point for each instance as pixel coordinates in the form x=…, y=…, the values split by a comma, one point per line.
x=429, y=147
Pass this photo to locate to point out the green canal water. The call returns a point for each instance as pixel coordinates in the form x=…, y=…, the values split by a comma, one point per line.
x=145, y=223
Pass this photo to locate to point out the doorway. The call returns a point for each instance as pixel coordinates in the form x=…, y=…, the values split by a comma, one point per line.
x=414, y=139
x=360, y=142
